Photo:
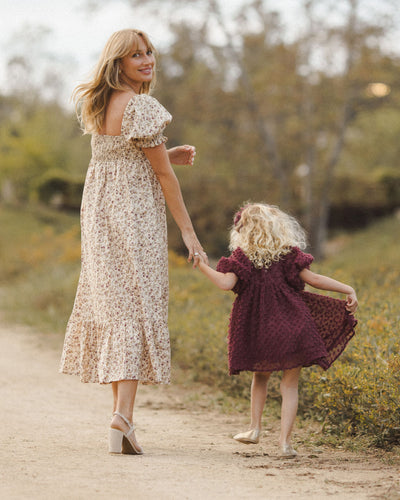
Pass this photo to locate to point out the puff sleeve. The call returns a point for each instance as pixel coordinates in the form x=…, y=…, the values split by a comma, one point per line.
x=144, y=121
x=238, y=264
x=294, y=263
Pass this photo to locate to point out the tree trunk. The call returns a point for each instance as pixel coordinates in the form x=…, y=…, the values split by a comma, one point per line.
x=319, y=230
x=266, y=136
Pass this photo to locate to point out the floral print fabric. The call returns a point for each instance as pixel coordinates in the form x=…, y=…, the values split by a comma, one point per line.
x=118, y=327
x=275, y=324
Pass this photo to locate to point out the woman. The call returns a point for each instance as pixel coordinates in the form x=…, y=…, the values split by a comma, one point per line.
x=118, y=332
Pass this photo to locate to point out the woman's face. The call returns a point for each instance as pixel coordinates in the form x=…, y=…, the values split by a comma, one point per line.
x=138, y=66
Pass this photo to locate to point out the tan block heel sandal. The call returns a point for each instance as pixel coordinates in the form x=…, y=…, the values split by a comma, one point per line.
x=119, y=441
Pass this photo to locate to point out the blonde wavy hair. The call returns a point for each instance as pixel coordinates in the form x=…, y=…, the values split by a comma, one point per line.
x=265, y=233
x=91, y=98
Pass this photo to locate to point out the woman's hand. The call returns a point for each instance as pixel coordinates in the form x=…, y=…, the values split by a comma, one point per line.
x=196, y=252
x=182, y=155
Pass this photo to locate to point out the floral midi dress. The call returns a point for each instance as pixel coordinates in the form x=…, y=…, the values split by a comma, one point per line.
x=118, y=327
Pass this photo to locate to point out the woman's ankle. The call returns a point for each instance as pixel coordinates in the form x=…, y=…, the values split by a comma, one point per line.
x=117, y=422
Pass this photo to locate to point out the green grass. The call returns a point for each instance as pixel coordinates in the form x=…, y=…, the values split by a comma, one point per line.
x=358, y=397
x=39, y=266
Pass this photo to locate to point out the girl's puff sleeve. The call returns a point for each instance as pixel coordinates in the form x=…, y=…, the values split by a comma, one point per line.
x=238, y=264
x=295, y=262
x=144, y=121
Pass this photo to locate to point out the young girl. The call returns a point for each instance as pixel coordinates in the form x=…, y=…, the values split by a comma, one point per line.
x=275, y=324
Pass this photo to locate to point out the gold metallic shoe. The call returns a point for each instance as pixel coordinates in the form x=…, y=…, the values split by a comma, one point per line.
x=288, y=451
x=250, y=437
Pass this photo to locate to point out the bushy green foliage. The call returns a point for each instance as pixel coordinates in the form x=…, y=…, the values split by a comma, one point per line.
x=355, y=400
x=360, y=394
x=35, y=139
x=60, y=189
x=39, y=266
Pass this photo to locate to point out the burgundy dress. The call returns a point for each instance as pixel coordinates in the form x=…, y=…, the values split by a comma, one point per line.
x=275, y=324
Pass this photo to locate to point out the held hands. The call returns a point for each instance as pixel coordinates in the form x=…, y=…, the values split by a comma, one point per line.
x=182, y=155
x=352, y=302
x=200, y=259
x=196, y=252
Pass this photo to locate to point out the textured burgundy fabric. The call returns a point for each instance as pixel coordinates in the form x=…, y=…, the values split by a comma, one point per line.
x=275, y=324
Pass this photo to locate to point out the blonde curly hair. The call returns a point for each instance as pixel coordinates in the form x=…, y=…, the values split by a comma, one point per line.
x=265, y=233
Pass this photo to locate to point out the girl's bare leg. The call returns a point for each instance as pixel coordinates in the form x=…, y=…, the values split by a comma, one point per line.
x=259, y=390
x=259, y=386
x=290, y=399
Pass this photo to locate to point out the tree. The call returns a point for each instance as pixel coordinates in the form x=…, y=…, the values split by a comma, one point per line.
x=36, y=137
x=37, y=134
x=32, y=70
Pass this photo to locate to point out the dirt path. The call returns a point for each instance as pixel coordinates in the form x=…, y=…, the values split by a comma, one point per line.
x=54, y=444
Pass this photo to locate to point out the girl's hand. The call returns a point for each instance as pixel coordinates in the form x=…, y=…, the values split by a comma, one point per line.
x=201, y=259
x=182, y=155
x=352, y=302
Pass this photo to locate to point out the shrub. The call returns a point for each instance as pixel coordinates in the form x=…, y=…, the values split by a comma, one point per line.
x=59, y=189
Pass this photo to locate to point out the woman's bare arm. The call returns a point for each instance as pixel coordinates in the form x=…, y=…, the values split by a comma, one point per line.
x=158, y=157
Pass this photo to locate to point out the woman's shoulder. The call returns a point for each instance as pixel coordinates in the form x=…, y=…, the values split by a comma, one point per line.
x=115, y=110
x=121, y=101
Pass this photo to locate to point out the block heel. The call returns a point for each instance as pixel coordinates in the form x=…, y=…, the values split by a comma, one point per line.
x=115, y=440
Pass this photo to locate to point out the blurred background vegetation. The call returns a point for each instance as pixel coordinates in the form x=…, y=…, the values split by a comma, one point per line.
x=308, y=119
